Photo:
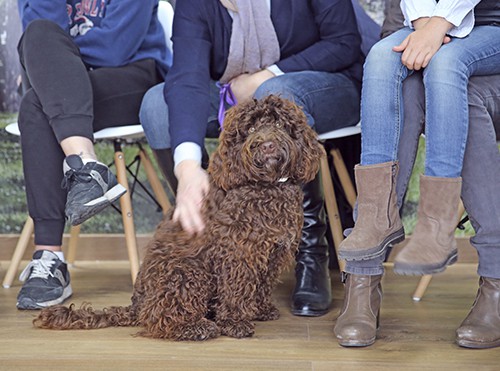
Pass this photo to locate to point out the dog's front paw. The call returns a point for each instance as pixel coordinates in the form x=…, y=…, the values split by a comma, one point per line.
x=203, y=329
x=236, y=329
x=268, y=313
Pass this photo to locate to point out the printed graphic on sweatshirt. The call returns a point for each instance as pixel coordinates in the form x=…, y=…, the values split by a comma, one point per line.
x=85, y=14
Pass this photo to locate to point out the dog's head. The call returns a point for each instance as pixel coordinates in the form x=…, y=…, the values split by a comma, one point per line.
x=265, y=141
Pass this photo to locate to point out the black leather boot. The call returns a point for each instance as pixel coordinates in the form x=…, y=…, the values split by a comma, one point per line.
x=313, y=293
x=165, y=161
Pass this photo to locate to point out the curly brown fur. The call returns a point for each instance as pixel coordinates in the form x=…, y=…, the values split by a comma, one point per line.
x=219, y=282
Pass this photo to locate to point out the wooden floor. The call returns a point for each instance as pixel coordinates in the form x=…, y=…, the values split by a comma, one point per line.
x=417, y=336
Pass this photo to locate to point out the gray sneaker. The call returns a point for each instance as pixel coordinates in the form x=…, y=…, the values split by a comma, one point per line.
x=91, y=188
x=46, y=282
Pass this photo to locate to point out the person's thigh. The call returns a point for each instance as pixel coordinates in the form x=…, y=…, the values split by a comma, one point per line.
x=329, y=100
x=476, y=54
x=153, y=115
x=118, y=92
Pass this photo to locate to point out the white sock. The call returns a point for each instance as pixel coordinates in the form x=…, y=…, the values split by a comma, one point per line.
x=60, y=255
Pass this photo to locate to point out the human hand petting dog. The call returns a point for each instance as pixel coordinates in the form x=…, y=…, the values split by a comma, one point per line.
x=192, y=187
x=420, y=46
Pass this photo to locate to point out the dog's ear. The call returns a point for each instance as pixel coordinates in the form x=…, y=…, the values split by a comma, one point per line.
x=226, y=168
x=311, y=151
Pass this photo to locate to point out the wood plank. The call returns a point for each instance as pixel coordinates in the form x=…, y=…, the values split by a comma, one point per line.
x=112, y=247
x=412, y=335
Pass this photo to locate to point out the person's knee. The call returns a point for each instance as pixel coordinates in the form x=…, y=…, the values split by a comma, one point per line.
x=39, y=29
x=152, y=103
x=380, y=59
x=277, y=86
x=444, y=65
x=153, y=116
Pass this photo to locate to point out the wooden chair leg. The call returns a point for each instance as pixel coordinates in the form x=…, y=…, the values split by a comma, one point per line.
x=344, y=177
x=127, y=215
x=332, y=208
x=426, y=280
x=17, y=256
x=154, y=181
x=73, y=244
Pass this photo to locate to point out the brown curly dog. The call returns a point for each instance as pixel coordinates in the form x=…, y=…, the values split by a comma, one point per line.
x=218, y=282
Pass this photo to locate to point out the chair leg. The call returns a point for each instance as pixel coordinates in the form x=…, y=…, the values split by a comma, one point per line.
x=426, y=279
x=344, y=177
x=332, y=207
x=155, y=183
x=127, y=215
x=73, y=244
x=19, y=251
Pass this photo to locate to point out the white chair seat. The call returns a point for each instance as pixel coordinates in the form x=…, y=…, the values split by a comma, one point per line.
x=341, y=133
x=13, y=129
x=118, y=132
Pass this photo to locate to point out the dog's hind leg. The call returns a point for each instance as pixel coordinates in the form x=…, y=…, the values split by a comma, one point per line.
x=280, y=257
x=236, y=305
x=177, y=307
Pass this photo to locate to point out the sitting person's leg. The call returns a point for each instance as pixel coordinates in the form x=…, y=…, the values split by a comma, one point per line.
x=358, y=320
x=330, y=101
x=481, y=197
x=154, y=119
x=378, y=223
x=433, y=247
x=57, y=117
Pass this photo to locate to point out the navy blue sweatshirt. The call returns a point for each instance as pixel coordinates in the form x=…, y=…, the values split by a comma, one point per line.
x=108, y=33
x=316, y=35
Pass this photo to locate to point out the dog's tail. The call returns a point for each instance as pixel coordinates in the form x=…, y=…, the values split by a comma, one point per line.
x=60, y=317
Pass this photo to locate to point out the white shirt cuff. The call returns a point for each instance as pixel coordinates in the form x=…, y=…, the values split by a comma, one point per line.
x=187, y=151
x=458, y=12
x=274, y=69
x=413, y=10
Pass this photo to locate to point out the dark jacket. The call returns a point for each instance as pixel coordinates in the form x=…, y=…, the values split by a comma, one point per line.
x=317, y=35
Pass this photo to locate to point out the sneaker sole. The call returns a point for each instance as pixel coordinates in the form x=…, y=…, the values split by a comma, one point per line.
x=29, y=304
x=97, y=205
x=374, y=252
x=420, y=270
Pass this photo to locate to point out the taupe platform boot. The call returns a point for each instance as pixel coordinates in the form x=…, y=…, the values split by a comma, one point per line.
x=481, y=328
x=432, y=246
x=357, y=323
x=378, y=223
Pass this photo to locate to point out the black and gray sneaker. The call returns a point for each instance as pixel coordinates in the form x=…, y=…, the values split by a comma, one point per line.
x=46, y=282
x=91, y=188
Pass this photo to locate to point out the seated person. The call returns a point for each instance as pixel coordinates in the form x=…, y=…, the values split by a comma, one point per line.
x=308, y=52
x=480, y=193
x=87, y=69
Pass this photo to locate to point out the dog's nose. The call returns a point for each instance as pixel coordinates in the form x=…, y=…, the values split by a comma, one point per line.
x=268, y=147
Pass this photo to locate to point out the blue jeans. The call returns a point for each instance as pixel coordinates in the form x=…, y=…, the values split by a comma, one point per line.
x=446, y=109
x=481, y=169
x=330, y=101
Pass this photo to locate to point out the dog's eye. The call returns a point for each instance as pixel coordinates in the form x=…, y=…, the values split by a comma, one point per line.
x=251, y=130
x=279, y=125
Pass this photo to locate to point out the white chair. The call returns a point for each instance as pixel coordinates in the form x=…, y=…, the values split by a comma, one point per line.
x=345, y=180
x=120, y=135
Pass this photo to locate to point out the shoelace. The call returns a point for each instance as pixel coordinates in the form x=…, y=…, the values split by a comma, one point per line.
x=41, y=269
x=77, y=175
